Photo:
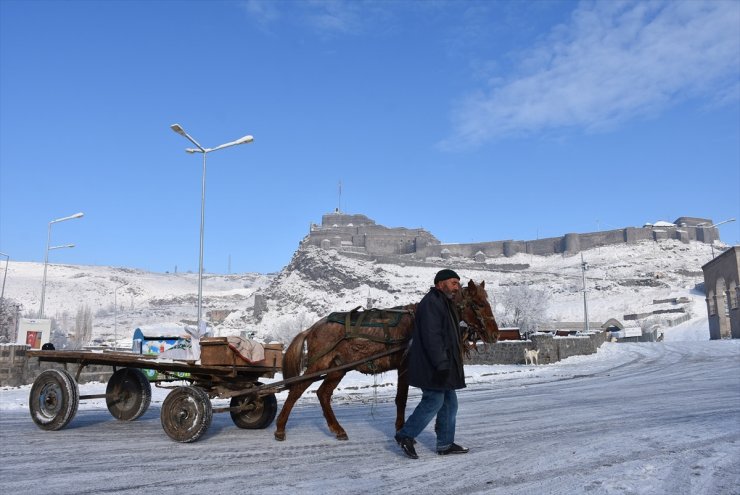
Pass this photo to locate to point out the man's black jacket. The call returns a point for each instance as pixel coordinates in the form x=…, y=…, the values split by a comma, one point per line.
x=435, y=360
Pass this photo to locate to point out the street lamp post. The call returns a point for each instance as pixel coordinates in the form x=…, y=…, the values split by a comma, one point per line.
x=46, y=258
x=115, y=317
x=200, y=149
x=7, y=260
x=711, y=227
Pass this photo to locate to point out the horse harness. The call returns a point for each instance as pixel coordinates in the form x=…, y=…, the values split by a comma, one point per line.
x=472, y=334
x=355, y=320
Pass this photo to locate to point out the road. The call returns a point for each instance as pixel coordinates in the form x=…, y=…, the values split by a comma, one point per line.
x=658, y=418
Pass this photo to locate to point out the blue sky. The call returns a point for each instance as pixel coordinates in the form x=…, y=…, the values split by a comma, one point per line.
x=474, y=120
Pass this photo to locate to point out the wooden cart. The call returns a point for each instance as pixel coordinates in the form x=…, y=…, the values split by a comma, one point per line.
x=186, y=411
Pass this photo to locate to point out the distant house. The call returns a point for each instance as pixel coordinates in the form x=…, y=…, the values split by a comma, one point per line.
x=722, y=288
x=618, y=332
x=509, y=333
x=612, y=325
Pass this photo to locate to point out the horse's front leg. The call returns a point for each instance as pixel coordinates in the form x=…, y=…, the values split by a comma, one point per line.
x=324, y=394
x=402, y=395
x=293, y=395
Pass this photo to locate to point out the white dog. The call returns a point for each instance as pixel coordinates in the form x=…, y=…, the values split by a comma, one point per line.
x=530, y=356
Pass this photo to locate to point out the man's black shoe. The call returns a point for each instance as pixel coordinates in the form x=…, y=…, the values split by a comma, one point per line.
x=407, y=445
x=453, y=449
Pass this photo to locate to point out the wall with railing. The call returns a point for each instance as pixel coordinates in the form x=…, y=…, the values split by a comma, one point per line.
x=17, y=369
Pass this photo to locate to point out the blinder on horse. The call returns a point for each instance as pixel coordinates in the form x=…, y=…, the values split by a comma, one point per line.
x=473, y=333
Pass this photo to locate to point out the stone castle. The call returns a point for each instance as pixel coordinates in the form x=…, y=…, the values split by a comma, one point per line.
x=359, y=234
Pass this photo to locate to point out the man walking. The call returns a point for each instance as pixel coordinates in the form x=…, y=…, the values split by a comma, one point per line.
x=435, y=365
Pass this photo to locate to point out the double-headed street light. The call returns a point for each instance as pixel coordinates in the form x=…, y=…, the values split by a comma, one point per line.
x=46, y=258
x=704, y=226
x=200, y=149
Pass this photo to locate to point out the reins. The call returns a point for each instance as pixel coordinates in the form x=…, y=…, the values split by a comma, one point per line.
x=469, y=337
x=472, y=333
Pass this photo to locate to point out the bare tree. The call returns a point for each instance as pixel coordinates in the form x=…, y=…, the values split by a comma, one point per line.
x=9, y=311
x=59, y=338
x=524, y=307
x=289, y=326
x=83, y=327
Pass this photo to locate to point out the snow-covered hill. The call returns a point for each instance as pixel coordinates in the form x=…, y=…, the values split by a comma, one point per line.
x=621, y=279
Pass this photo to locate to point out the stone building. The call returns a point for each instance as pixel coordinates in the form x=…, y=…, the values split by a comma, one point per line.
x=722, y=287
x=360, y=234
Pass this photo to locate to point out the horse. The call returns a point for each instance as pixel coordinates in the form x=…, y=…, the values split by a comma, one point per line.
x=330, y=345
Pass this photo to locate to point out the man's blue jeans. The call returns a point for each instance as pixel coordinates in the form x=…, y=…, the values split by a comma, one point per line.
x=443, y=404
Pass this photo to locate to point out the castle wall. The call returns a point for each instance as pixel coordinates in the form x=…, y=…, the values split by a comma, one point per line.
x=389, y=244
x=543, y=247
x=343, y=219
x=359, y=233
x=569, y=243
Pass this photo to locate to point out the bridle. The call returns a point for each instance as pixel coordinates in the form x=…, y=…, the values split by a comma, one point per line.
x=473, y=333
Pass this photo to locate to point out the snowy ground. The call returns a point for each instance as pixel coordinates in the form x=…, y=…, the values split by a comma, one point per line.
x=648, y=418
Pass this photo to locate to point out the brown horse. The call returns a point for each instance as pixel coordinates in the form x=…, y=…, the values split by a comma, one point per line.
x=329, y=345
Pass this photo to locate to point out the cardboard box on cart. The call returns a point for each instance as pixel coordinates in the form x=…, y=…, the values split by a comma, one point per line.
x=274, y=355
x=215, y=351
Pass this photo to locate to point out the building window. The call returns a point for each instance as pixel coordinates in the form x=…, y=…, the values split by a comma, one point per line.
x=733, y=295
x=728, y=303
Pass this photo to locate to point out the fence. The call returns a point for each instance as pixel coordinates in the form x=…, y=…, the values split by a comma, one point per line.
x=17, y=369
x=552, y=349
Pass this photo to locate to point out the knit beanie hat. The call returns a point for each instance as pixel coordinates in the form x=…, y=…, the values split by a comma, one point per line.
x=444, y=275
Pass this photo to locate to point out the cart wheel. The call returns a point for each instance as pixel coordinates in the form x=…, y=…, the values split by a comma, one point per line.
x=53, y=400
x=258, y=415
x=186, y=414
x=128, y=394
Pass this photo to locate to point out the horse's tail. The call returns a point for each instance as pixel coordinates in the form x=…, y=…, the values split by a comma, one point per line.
x=294, y=355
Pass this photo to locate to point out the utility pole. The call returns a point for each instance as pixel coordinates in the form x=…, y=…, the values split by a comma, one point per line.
x=339, y=204
x=7, y=259
x=584, y=267
x=115, y=316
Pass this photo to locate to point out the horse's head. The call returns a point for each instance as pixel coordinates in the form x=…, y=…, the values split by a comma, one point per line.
x=476, y=312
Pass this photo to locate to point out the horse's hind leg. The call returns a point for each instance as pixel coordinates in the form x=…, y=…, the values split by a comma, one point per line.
x=324, y=393
x=402, y=395
x=293, y=395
